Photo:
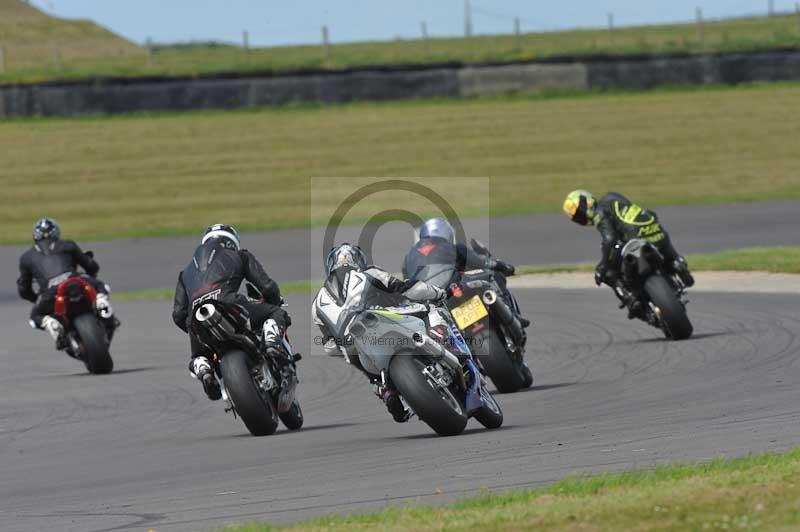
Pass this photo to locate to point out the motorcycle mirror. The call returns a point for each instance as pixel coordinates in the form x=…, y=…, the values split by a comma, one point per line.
x=478, y=246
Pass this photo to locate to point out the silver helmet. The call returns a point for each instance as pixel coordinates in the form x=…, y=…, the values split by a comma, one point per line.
x=437, y=228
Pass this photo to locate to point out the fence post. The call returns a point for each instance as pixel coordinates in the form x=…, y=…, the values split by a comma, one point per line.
x=797, y=10
x=611, y=27
x=2, y=59
x=771, y=8
x=326, y=44
x=467, y=19
x=423, y=26
x=148, y=48
x=701, y=37
x=245, y=41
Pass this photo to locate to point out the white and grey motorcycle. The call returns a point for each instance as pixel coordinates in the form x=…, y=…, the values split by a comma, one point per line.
x=420, y=350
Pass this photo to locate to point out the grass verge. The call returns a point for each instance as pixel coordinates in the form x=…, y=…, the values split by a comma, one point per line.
x=760, y=259
x=768, y=259
x=168, y=175
x=756, y=492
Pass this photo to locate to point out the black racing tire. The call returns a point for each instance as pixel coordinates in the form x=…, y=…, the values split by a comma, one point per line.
x=257, y=412
x=497, y=362
x=293, y=418
x=490, y=415
x=93, y=338
x=527, y=375
x=674, y=320
x=438, y=408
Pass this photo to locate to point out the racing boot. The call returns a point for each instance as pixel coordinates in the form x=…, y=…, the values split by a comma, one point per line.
x=275, y=347
x=682, y=269
x=201, y=369
x=630, y=300
x=395, y=405
x=106, y=313
x=56, y=330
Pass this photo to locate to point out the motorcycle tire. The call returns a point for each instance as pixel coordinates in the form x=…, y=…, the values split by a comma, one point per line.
x=527, y=375
x=257, y=412
x=675, y=322
x=497, y=362
x=293, y=418
x=490, y=415
x=93, y=338
x=438, y=408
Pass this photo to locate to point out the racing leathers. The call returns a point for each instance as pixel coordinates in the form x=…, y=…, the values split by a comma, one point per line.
x=48, y=263
x=619, y=220
x=438, y=261
x=348, y=292
x=216, y=271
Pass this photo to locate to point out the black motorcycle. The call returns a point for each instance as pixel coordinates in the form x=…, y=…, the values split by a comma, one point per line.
x=252, y=383
x=660, y=291
x=486, y=321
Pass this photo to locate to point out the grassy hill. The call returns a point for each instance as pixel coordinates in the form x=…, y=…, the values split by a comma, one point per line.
x=42, y=46
x=81, y=41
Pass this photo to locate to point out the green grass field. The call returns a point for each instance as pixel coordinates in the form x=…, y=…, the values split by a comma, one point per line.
x=104, y=178
x=85, y=53
x=752, y=493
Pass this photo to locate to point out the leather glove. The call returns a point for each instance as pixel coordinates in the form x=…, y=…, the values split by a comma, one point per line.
x=441, y=295
x=504, y=268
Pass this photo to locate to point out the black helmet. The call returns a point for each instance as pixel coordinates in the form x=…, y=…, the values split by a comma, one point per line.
x=345, y=256
x=224, y=232
x=46, y=229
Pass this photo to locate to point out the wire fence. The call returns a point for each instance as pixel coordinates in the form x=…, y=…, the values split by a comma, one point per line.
x=111, y=57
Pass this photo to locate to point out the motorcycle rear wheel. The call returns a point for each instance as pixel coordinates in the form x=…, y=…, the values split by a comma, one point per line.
x=675, y=322
x=93, y=338
x=437, y=407
x=497, y=361
x=257, y=412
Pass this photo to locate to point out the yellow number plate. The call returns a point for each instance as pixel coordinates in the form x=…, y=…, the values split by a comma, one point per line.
x=468, y=313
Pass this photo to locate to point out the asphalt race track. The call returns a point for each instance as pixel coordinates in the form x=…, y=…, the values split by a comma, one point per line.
x=143, y=448
x=296, y=254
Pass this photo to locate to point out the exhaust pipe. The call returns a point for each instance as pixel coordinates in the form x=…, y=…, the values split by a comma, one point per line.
x=437, y=351
x=504, y=315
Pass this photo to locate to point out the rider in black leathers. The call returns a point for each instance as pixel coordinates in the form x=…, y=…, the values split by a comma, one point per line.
x=49, y=262
x=436, y=246
x=216, y=271
x=619, y=220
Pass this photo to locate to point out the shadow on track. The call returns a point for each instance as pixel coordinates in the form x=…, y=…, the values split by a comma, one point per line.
x=282, y=431
x=661, y=339
x=467, y=432
x=543, y=387
x=110, y=375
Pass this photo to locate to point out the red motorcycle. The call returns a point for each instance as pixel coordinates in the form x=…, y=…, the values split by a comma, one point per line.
x=85, y=334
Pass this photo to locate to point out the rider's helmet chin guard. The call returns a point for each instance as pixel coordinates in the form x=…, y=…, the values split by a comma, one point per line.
x=226, y=233
x=579, y=206
x=436, y=228
x=46, y=229
x=345, y=255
